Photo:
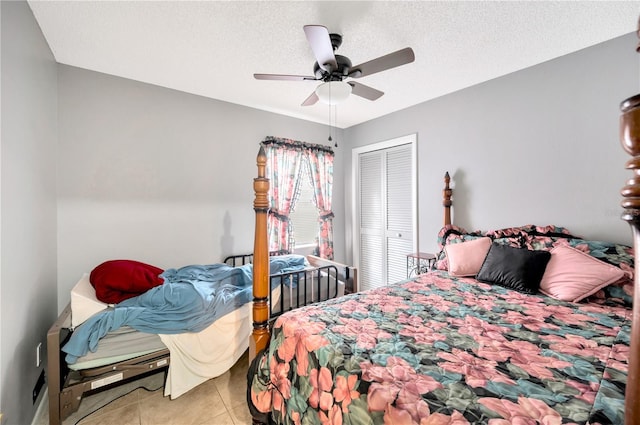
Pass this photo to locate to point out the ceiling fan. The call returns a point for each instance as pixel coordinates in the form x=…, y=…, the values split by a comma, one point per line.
x=331, y=68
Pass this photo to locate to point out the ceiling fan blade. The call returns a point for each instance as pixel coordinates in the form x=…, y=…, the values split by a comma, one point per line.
x=364, y=91
x=283, y=77
x=320, y=42
x=392, y=60
x=311, y=100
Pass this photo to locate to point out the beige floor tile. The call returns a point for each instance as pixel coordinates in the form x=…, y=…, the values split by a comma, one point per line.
x=219, y=401
x=127, y=415
x=240, y=415
x=232, y=385
x=223, y=419
x=106, y=401
x=195, y=407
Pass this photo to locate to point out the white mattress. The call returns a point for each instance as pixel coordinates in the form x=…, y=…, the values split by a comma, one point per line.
x=84, y=303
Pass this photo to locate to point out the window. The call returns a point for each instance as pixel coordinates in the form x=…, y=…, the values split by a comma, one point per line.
x=301, y=180
x=304, y=216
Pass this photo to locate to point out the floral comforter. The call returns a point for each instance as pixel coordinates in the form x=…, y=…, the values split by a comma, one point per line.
x=440, y=350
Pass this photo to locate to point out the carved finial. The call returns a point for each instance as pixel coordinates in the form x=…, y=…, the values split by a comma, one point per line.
x=446, y=193
x=446, y=199
x=262, y=162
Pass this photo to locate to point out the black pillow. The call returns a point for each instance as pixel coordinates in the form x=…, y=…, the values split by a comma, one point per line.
x=515, y=268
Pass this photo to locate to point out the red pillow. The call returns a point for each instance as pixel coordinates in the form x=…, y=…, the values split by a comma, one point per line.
x=117, y=280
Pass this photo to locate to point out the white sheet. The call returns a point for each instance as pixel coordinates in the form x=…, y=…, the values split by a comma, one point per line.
x=198, y=357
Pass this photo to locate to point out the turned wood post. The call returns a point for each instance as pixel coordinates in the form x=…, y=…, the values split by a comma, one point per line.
x=630, y=139
x=260, y=336
x=446, y=199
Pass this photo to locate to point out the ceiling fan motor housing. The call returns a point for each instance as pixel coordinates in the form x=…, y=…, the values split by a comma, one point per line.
x=336, y=40
x=344, y=66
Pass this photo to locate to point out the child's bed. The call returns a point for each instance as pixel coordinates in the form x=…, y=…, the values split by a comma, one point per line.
x=320, y=280
x=473, y=341
x=188, y=358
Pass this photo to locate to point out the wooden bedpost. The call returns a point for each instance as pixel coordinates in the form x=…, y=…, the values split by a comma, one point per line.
x=260, y=336
x=446, y=199
x=630, y=139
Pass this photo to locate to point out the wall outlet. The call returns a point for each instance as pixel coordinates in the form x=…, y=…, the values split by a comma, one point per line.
x=38, y=387
x=39, y=354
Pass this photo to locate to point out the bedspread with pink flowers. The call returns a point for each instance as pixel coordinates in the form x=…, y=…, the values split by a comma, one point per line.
x=440, y=350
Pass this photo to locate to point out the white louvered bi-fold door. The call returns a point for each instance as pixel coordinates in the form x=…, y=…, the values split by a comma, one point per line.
x=386, y=215
x=399, y=231
x=371, y=268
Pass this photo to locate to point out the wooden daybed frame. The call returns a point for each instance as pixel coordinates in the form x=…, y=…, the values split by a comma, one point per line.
x=630, y=139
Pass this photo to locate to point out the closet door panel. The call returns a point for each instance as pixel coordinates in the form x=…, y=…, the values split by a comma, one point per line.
x=371, y=221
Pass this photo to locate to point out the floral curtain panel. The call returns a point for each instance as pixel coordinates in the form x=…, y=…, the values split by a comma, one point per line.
x=284, y=161
x=321, y=166
x=284, y=167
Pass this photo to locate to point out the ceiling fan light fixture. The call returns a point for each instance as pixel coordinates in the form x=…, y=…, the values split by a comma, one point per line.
x=333, y=92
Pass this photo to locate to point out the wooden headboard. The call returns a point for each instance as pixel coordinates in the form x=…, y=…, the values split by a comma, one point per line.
x=259, y=338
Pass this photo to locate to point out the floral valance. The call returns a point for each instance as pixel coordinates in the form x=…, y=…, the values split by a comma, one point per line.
x=294, y=144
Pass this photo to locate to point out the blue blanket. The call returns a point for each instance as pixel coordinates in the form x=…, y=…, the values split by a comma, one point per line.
x=189, y=300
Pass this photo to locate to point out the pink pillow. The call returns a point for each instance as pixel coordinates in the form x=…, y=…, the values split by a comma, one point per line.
x=466, y=258
x=572, y=275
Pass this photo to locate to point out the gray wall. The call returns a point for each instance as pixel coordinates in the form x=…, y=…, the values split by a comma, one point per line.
x=165, y=177
x=158, y=175
x=28, y=211
x=539, y=146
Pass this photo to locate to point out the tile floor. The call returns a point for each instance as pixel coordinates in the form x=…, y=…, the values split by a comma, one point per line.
x=219, y=401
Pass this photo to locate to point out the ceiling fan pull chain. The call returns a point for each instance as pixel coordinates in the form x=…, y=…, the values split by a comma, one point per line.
x=329, y=139
x=335, y=120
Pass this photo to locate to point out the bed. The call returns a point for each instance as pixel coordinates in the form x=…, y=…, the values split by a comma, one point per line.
x=188, y=358
x=474, y=341
x=320, y=280
x=122, y=354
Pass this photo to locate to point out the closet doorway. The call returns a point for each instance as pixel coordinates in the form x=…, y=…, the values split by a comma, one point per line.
x=384, y=210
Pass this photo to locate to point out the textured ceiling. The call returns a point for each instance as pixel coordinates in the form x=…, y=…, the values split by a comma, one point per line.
x=212, y=48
